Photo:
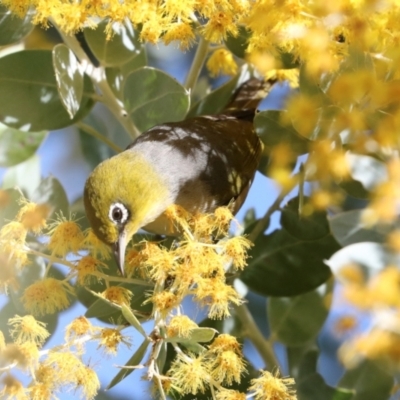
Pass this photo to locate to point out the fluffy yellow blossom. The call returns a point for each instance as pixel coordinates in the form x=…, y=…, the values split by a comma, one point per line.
x=236, y=248
x=219, y=26
x=222, y=62
x=225, y=394
x=375, y=345
x=27, y=328
x=25, y=355
x=87, y=268
x=96, y=247
x=181, y=326
x=227, y=367
x=181, y=32
x=216, y=295
x=65, y=237
x=189, y=374
x=118, y=295
x=165, y=301
x=12, y=388
x=40, y=390
x=78, y=327
x=33, y=216
x=110, y=339
x=225, y=342
x=271, y=387
x=46, y=376
x=88, y=381
x=67, y=367
x=47, y=296
x=12, y=242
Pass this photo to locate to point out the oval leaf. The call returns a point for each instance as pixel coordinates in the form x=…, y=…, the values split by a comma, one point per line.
x=69, y=76
x=152, y=97
x=312, y=227
x=16, y=146
x=29, y=96
x=116, y=75
x=130, y=317
x=115, y=48
x=369, y=381
x=25, y=176
x=197, y=335
x=295, y=321
x=348, y=228
x=51, y=192
x=12, y=28
x=132, y=362
x=9, y=205
x=310, y=384
x=281, y=265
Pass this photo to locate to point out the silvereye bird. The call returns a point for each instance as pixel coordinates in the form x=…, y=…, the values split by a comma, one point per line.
x=201, y=163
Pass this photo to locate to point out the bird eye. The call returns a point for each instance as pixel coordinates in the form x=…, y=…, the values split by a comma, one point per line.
x=118, y=213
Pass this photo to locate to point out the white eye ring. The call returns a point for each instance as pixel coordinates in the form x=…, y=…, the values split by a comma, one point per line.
x=118, y=213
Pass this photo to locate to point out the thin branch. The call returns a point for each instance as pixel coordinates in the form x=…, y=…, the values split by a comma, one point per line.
x=264, y=221
x=98, y=77
x=197, y=64
x=253, y=333
x=93, y=132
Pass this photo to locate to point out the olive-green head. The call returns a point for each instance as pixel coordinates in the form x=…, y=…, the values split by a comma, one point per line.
x=123, y=194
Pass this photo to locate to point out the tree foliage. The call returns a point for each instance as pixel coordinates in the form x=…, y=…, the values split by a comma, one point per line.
x=332, y=150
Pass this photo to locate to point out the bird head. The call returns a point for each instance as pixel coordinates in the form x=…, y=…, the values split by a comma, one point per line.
x=123, y=194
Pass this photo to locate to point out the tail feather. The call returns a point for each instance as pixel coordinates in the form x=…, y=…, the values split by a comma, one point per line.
x=245, y=100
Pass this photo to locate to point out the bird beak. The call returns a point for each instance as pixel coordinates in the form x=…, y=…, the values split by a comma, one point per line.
x=119, y=251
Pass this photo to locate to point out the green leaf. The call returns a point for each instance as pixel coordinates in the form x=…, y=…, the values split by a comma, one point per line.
x=101, y=309
x=16, y=146
x=130, y=317
x=369, y=381
x=231, y=325
x=12, y=28
x=281, y=265
x=9, y=205
x=354, y=188
x=269, y=127
x=311, y=386
x=110, y=313
x=120, y=47
x=348, y=228
x=69, y=77
x=94, y=150
x=238, y=44
x=197, y=335
x=51, y=192
x=25, y=176
x=313, y=227
x=132, y=362
x=29, y=96
x=116, y=75
x=295, y=321
x=152, y=97
x=309, y=84
x=216, y=101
